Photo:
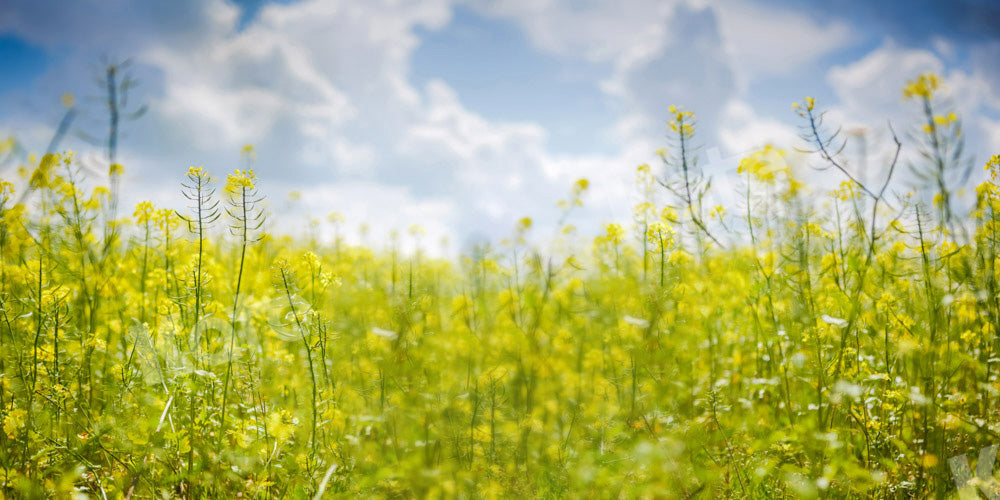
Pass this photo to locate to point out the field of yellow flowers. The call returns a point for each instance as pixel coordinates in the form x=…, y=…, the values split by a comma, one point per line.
x=837, y=344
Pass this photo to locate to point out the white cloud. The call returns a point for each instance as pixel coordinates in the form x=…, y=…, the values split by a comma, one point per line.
x=764, y=40
x=237, y=89
x=992, y=131
x=870, y=89
x=743, y=131
x=690, y=69
x=870, y=96
x=323, y=89
x=382, y=209
x=597, y=31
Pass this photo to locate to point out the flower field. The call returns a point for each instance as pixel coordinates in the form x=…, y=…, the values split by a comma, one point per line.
x=798, y=343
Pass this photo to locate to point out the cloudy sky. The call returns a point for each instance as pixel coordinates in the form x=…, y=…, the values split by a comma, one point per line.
x=465, y=115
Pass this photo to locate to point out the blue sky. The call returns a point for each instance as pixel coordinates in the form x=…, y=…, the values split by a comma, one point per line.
x=465, y=115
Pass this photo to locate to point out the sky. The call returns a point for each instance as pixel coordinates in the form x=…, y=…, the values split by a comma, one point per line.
x=464, y=116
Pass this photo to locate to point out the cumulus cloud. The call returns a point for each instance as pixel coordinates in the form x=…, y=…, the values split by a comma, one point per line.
x=743, y=131
x=764, y=40
x=598, y=31
x=869, y=92
x=870, y=89
x=690, y=69
x=324, y=91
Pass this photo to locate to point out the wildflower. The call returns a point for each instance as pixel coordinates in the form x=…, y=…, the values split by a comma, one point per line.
x=847, y=191
x=13, y=422
x=660, y=235
x=614, y=233
x=764, y=164
x=644, y=211
x=327, y=278
x=921, y=87
x=416, y=230
x=165, y=219
x=6, y=191
x=680, y=257
x=238, y=181
x=116, y=169
x=248, y=153
x=144, y=212
x=945, y=120
x=280, y=425
x=718, y=212
x=198, y=173
x=681, y=122
x=804, y=108
x=41, y=176
x=282, y=269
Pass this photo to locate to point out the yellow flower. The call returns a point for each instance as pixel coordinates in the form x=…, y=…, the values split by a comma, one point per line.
x=614, y=233
x=239, y=180
x=116, y=169
x=197, y=174
x=416, y=230
x=945, y=120
x=764, y=164
x=282, y=265
x=846, y=191
x=993, y=167
x=248, y=152
x=143, y=212
x=41, y=176
x=660, y=235
x=326, y=279
x=718, y=212
x=680, y=257
x=165, y=219
x=668, y=214
x=312, y=260
x=6, y=190
x=335, y=218
x=922, y=86
x=680, y=121
x=280, y=425
x=13, y=422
